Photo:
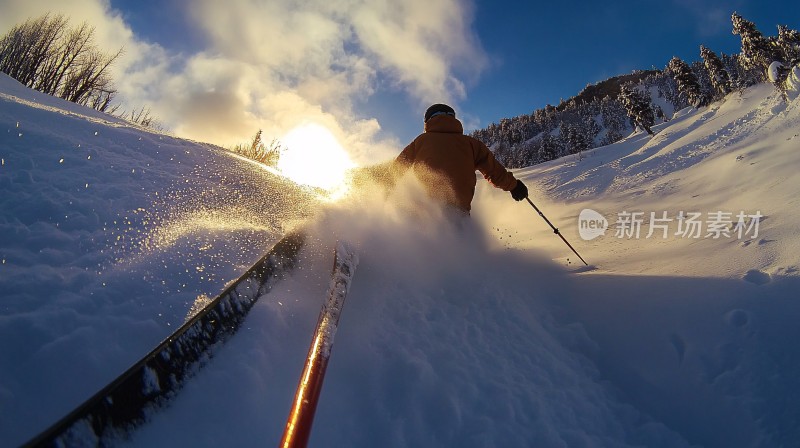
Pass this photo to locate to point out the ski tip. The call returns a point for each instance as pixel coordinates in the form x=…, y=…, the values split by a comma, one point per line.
x=346, y=251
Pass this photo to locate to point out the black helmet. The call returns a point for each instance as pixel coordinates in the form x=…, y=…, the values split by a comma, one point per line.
x=437, y=109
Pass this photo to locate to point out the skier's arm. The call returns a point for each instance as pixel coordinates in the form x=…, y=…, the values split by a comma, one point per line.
x=491, y=169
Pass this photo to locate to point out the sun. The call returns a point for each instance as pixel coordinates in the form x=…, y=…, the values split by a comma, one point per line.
x=314, y=157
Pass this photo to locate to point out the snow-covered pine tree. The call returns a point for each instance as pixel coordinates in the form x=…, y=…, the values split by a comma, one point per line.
x=756, y=49
x=789, y=45
x=687, y=82
x=502, y=152
x=591, y=128
x=658, y=112
x=720, y=79
x=665, y=87
x=741, y=77
x=576, y=137
x=703, y=79
x=527, y=154
x=614, y=120
x=732, y=67
x=637, y=107
x=550, y=147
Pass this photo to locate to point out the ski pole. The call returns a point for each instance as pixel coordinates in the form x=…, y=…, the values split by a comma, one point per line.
x=555, y=230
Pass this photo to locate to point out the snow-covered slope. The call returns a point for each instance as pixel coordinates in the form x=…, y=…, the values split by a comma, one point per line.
x=737, y=156
x=694, y=330
x=108, y=234
x=479, y=333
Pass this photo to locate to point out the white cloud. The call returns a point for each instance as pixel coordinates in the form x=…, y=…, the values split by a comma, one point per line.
x=421, y=43
x=274, y=64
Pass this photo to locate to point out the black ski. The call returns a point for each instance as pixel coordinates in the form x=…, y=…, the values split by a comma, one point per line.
x=150, y=383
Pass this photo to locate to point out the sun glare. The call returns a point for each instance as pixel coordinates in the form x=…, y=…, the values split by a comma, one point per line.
x=314, y=157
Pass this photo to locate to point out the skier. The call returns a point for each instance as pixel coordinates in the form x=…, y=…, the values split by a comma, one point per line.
x=445, y=161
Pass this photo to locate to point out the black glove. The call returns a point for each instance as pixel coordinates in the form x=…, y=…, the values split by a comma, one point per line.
x=520, y=191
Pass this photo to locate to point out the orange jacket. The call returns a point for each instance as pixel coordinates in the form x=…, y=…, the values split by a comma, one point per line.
x=445, y=160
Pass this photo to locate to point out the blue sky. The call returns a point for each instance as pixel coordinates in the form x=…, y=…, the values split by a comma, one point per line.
x=366, y=69
x=548, y=52
x=539, y=52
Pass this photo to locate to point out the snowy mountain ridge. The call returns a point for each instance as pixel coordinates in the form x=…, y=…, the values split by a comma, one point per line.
x=738, y=155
